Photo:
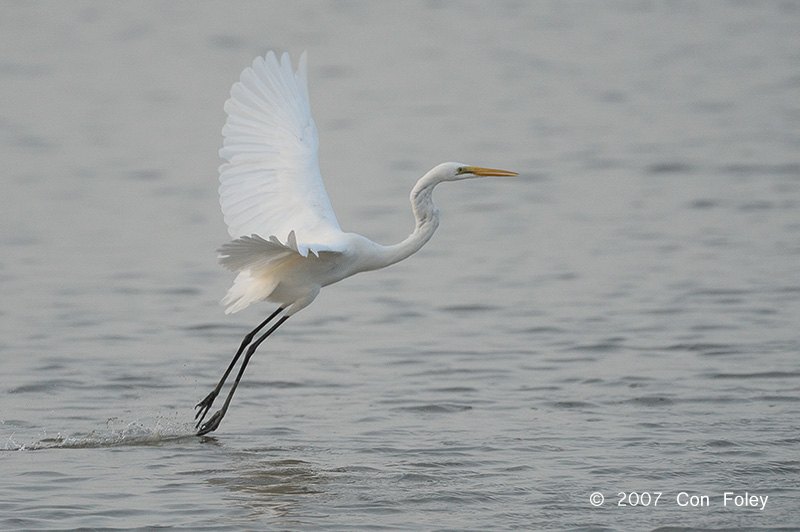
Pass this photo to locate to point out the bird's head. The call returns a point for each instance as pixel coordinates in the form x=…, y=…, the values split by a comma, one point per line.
x=459, y=171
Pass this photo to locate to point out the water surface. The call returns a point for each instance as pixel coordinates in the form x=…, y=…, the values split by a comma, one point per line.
x=621, y=318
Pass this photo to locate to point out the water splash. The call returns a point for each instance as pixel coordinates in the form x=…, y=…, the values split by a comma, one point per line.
x=117, y=433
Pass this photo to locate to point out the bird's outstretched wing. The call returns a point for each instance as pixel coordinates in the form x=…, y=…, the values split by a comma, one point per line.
x=271, y=184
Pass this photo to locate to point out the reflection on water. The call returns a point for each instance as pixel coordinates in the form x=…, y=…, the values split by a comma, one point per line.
x=268, y=488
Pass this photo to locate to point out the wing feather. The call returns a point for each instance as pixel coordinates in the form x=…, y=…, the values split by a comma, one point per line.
x=271, y=183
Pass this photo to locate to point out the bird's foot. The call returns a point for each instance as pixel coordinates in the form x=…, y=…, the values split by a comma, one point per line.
x=212, y=423
x=204, y=406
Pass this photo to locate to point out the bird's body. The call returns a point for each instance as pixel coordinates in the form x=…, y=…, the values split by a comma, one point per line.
x=281, y=274
x=287, y=243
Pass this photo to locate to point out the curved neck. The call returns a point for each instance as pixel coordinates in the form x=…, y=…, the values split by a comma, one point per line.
x=426, y=216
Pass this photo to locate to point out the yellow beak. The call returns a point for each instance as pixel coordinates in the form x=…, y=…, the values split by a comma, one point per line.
x=477, y=170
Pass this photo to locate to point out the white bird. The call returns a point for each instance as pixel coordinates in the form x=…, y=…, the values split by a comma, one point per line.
x=286, y=242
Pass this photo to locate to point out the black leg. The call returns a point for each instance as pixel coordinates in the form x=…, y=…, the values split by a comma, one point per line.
x=205, y=405
x=214, y=421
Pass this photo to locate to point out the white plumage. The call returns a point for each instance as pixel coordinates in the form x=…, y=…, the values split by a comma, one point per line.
x=271, y=185
x=286, y=242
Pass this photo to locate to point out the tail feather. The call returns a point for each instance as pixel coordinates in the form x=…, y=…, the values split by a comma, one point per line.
x=253, y=257
x=247, y=289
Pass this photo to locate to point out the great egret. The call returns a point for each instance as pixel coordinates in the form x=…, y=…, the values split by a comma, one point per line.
x=286, y=242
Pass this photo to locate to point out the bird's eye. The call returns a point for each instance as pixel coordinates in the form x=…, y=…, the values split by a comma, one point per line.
x=460, y=170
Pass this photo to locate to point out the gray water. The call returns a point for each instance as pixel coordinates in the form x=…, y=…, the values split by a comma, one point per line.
x=621, y=318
